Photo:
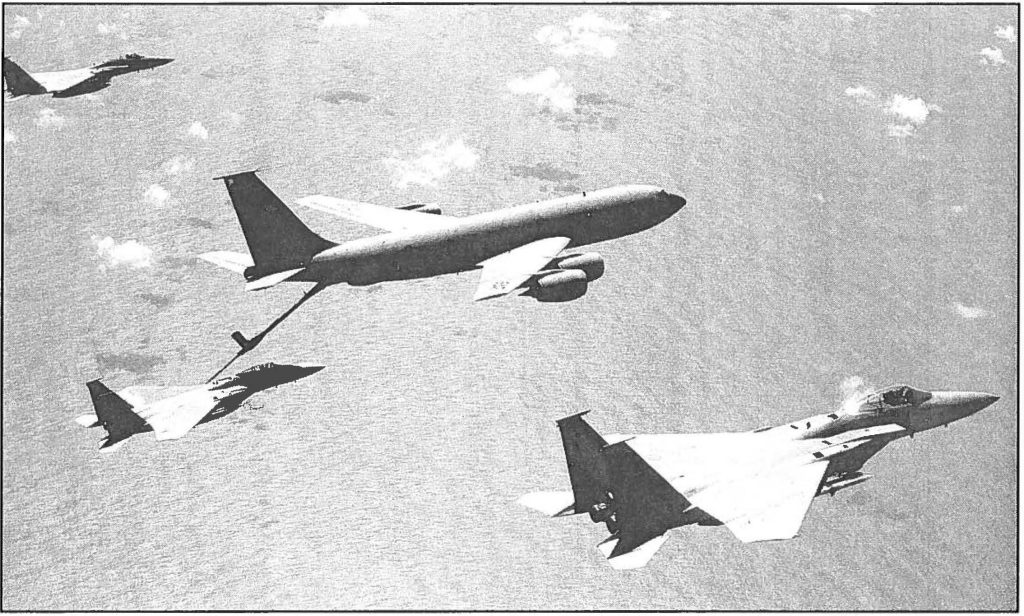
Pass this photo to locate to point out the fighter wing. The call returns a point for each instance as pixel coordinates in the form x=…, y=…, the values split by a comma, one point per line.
x=62, y=80
x=509, y=270
x=389, y=219
x=766, y=505
x=172, y=418
x=93, y=84
x=141, y=396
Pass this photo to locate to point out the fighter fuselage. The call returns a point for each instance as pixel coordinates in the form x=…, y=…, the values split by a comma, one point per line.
x=598, y=216
x=218, y=398
x=128, y=64
x=846, y=439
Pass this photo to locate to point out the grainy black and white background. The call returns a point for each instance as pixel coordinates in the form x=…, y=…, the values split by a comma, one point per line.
x=852, y=222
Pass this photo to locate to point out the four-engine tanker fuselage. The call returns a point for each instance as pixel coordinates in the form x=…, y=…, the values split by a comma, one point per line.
x=461, y=246
x=518, y=250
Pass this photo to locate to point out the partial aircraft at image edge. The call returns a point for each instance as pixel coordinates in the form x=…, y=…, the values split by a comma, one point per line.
x=518, y=249
x=19, y=83
x=759, y=484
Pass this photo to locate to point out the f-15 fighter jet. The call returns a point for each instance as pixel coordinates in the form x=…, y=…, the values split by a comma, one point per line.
x=758, y=484
x=64, y=84
x=171, y=412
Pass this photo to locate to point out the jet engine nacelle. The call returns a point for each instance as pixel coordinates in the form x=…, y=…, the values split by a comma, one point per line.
x=563, y=286
x=590, y=263
x=425, y=208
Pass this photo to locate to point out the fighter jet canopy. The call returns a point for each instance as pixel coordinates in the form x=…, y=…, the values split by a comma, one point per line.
x=893, y=397
x=257, y=368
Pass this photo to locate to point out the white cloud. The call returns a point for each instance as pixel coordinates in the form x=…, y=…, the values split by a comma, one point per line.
x=235, y=118
x=867, y=9
x=585, y=35
x=130, y=253
x=176, y=166
x=18, y=25
x=661, y=14
x=198, y=130
x=438, y=159
x=551, y=92
x=48, y=118
x=104, y=28
x=901, y=130
x=860, y=93
x=911, y=112
x=969, y=312
x=91, y=97
x=157, y=195
x=913, y=109
x=348, y=17
x=992, y=56
x=1007, y=33
x=9, y=137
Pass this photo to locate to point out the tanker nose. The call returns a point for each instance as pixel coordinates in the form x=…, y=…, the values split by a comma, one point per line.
x=669, y=203
x=674, y=201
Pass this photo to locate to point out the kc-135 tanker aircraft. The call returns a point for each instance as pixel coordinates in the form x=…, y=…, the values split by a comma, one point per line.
x=758, y=484
x=171, y=412
x=518, y=248
x=64, y=84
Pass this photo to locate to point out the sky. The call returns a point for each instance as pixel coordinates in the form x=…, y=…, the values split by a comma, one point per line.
x=852, y=222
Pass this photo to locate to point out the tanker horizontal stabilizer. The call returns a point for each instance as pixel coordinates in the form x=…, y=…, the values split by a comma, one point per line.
x=235, y=261
x=272, y=280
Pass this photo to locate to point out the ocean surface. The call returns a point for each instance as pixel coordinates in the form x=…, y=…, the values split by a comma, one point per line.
x=852, y=222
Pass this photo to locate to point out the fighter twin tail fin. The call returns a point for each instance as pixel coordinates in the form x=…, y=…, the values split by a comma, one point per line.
x=615, y=486
x=20, y=83
x=114, y=414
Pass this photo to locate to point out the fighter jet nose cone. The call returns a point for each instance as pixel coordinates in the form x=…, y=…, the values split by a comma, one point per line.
x=986, y=400
x=972, y=402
